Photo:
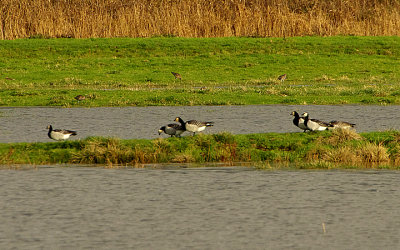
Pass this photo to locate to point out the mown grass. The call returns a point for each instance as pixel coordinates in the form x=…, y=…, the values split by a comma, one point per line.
x=331, y=149
x=215, y=71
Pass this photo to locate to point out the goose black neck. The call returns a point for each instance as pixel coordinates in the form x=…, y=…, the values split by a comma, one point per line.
x=296, y=118
x=305, y=120
x=49, y=133
x=181, y=121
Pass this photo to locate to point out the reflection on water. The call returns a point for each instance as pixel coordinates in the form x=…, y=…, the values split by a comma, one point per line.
x=28, y=124
x=200, y=208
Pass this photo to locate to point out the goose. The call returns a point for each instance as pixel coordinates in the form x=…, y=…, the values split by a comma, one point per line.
x=59, y=134
x=342, y=124
x=193, y=125
x=299, y=121
x=282, y=77
x=172, y=129
x=314, y=124
x=177, y=75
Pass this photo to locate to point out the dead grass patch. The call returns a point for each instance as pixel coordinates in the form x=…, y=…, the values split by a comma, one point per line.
x=197, y=18
x=340, y=136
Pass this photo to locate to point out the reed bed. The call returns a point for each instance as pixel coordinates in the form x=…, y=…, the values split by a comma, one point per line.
x=197, y=18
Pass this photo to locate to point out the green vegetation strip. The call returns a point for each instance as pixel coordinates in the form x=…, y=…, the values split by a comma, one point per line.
x=215, y=71
x=330, y=149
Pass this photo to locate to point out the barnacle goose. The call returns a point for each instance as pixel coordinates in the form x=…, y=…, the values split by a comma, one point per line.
x=172, y=129
x=194, y=125
x=59, y=134
x=299, y=121
x=314, y=124
x=342, y=124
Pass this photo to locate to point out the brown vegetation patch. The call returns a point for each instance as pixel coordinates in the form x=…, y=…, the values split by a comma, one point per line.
x=183, y=158
x=197, y=18
x=364, y=154
x=345, y=155
x=342, y=135
x=373, y=153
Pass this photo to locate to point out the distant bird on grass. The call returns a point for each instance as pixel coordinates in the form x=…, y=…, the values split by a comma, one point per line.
x=282, y=77
x=80, y=98
x=177, y=75
x=172, y=129
x=59, y=134
x=314, y=124
x=342, y=124
x=194, y=126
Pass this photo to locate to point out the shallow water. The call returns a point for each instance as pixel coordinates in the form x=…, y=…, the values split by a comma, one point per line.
x=203, y=208
x=28, y=124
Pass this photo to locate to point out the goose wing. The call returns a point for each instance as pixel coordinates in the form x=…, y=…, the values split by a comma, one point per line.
x=342, y=124
x=322, y=123
x=175, y=126
x=200, y=124
x=65, y=131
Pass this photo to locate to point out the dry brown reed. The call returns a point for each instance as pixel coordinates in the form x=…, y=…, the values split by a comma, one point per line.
x=340, y=135
x=373, y=153
x=197, y=18
x=345, y=146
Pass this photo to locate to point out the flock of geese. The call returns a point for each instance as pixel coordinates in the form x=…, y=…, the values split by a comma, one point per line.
x=172, y=129
x=193, y=126
x=305, y=123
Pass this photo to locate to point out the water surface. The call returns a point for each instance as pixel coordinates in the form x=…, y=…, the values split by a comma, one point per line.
x=28, y=124
x=203, y=208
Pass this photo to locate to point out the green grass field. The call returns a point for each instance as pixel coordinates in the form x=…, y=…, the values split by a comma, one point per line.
x=215, y=71
x=314, y=150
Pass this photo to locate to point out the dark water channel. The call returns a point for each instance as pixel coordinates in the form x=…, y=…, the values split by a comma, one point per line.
x=28, y=124
x=203, y=208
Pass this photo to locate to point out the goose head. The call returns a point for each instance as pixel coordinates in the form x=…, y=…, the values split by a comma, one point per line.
x=178, y=119
x=161, y=130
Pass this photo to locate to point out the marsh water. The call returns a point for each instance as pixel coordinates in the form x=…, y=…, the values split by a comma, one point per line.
x=28, y=124
x=198, y=208
x=180, y=207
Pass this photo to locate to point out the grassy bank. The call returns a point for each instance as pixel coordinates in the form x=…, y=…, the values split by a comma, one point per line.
x=197, y=18
x=331, y=149
x=215, y=71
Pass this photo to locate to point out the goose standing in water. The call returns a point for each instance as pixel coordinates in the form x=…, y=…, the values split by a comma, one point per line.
x=194, y=126
x=299, y=121
x=59, y=134
x=342, y=124
x=314, y=124
x=172, y=129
